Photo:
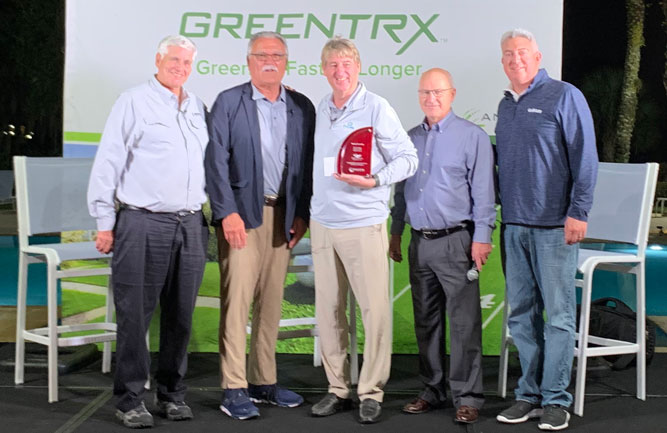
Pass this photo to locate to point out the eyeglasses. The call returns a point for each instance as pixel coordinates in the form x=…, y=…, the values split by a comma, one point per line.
x=438, y=93
x=266, y=56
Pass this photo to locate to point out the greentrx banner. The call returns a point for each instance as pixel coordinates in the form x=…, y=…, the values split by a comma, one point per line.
x=111, y=47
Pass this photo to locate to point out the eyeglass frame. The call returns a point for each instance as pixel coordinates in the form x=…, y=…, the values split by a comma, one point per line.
x=264, y=57
x=437, y=93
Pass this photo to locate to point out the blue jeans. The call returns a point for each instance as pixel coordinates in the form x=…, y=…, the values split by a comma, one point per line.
x=540, y=271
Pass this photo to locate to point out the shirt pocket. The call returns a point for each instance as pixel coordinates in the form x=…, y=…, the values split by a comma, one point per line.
x=197, y=124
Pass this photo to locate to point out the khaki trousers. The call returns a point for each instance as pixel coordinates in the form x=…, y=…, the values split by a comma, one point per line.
x=255, y=273
x=356, y=258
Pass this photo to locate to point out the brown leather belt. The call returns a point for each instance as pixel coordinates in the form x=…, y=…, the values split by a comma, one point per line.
x=273, y=200
x=436, y=234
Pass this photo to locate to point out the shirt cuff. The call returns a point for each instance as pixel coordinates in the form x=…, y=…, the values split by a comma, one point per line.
x=106, y=223
x=482, y=234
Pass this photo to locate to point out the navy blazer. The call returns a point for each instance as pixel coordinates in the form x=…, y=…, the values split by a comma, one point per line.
x=234, y=173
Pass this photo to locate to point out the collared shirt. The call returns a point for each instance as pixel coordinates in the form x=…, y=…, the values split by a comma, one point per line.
x=547, y=157
x=151, y=154
x=335, y=204
x=454, y=180
x=272, y=118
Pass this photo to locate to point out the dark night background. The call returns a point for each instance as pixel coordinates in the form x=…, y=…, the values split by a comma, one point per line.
x=594, y=44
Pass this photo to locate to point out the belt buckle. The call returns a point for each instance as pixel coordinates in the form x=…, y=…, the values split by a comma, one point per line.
x=429, y=234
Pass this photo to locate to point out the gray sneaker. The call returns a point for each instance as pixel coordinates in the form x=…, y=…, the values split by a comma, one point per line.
x=555, y=417
x=519, y=412
x=329, y=405
x=138, y=417
x=173, y=410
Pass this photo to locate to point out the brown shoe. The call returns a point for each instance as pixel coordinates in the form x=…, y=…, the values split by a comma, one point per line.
x=418, y=405
x=466, y=414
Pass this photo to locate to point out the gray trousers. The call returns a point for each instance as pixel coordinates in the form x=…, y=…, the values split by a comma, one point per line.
x=439, y=285
x=157, y=257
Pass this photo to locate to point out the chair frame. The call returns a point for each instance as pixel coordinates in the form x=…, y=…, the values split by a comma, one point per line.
x=51, y=255
x=591, y=260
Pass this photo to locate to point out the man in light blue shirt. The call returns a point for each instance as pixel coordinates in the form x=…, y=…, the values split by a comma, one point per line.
x=149, y=164
x=348, y=229
x=449, y=203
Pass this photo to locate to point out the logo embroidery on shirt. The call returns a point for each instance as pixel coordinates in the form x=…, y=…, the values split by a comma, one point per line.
x=534, y=110
x=348, y=125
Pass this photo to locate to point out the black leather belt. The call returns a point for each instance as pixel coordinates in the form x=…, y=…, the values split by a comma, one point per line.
x=435, y=234
x=273, y=200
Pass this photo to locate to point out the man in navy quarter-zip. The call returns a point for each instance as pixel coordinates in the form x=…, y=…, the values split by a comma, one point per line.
x=547, y=167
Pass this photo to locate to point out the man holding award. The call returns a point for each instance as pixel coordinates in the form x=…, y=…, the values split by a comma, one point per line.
x=449, y=204
x=258, y=166
x=360, y=150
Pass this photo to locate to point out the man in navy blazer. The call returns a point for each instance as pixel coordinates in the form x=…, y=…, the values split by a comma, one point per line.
x=258, y=176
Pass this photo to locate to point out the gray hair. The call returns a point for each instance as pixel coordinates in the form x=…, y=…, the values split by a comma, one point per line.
x=517, y=33
x=341, y=46
x=176, y=41
x=269, y=35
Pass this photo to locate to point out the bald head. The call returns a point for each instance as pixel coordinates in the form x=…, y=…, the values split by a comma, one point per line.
x=436, y=94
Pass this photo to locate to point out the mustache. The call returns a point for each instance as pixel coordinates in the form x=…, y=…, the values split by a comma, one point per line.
x=269, y=68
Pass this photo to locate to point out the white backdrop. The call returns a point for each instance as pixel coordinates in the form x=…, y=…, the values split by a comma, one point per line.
x=111, y=45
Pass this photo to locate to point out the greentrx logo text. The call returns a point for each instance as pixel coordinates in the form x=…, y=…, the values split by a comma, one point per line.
x=402, y=29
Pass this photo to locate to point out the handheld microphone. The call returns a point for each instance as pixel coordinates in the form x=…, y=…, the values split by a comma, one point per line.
x=473, y=273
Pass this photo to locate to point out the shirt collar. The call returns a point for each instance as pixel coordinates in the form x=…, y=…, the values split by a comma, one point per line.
x=539, y=77
x=440, y=126
x=168, y=96
x=352, y=102
x=257, y=95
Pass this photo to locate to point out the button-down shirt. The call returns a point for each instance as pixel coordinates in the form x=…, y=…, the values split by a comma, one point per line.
x=454, y=180
x=337, y=205
x=272, y=118
x=151, y=154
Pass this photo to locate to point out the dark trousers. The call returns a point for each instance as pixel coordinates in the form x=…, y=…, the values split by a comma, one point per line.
x=157, y=256
x=439, y=286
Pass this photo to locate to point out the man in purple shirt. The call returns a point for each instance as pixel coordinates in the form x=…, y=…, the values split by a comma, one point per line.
x=449, y=203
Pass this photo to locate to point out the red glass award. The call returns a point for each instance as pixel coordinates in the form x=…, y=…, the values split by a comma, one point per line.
x=354, y=156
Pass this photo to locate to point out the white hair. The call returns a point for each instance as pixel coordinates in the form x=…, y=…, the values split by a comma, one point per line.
x=269, y=35
x=176, y=41
x=517, y=33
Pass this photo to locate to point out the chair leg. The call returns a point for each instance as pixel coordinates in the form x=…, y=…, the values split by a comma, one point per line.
x=582, y=343
x=354, y=357
x=108, y=317
x=21, y=307
x=52, y=302
x=641, y=331
x=504, y=353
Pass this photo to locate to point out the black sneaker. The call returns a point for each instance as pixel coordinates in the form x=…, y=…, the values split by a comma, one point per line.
x=369, y=411
x=139, y=417
x=555, y=417
x=520, y=411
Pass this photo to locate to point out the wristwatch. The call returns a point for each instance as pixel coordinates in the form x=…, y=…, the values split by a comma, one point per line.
x=376, y=178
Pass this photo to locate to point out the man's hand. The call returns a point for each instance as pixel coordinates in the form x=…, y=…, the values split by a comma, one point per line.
x=233, y=228
x=395, y=248
x=480, y=253
x=104, y=241
x=356, y=180
x=575, y=230
x=297, y=231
